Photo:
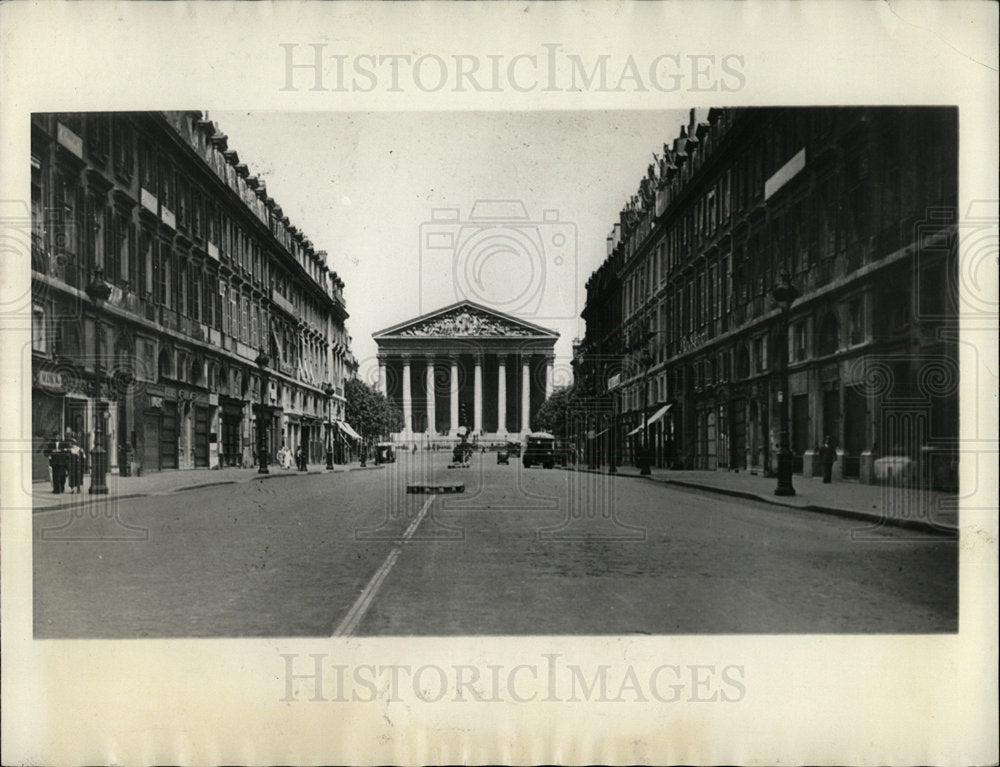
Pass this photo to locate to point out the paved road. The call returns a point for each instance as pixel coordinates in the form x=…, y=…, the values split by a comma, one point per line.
x=520, y=552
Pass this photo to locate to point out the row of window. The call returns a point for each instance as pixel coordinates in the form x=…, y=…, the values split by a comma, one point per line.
x=836, y=211
x=180, y=201
x=94, y=233
x=753, y=358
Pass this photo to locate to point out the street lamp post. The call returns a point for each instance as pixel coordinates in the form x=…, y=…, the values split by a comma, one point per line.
x=328, y=391
x=613, y=429
x=262, y=362
x=784, y=293
x=647, y=362
x=98, y=291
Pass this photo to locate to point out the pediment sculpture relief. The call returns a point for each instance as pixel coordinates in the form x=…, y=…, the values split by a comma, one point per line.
x=466, y=323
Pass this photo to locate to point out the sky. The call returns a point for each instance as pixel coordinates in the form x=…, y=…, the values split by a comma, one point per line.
x=390, y=196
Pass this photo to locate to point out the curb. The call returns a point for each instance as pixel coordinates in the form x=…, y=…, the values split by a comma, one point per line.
x=97, y=499
x=91, y=500
x=945, y=531
x=204, y=484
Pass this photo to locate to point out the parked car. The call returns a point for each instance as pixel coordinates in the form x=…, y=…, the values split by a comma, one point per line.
x=514, y=448
x=539, y=448
x=385, y=453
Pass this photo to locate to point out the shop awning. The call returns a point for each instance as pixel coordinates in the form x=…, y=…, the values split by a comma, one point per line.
x=658, y=415
x=346, y=428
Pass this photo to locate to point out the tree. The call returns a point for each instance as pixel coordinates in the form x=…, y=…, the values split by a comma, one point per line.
x=370, y=412
x=557, y=413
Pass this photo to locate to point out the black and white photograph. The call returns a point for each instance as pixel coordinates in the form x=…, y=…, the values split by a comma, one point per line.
x=727, y=405
x=525, y=383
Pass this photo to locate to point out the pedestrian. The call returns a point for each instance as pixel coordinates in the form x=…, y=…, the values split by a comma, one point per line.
x=49, y=450
x=285, y=456
x=77, y=467
x=828, y=455
x=59, y=462
x=300, y=458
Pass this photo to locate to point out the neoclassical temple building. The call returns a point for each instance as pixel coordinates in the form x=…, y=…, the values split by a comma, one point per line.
x=465, y=368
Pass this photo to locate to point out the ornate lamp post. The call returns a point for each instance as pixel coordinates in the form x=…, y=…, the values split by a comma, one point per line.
x=98, y=291
x=262, y=362
x=784, y=294
x=328, y=390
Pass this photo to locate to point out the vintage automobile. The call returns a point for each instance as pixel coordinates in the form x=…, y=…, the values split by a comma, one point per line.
x=385, y=453
x=502, y=455
x=539, y=448
x=514, y=448
x=462, y=452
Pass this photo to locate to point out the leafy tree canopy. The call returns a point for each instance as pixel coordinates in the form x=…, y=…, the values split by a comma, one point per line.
x=370, y=412
x=556, y=414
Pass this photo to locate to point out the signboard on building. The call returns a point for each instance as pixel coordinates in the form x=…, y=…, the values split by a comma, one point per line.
x=785, y=174
x=51, y=380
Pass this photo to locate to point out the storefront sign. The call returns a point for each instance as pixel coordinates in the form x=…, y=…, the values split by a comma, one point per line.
x=50, y=379
x=156, y=402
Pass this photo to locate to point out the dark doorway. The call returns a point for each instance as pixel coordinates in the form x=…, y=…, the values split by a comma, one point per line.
x=800, y=428
x=201, y=437
x=855, y=418
x=168, y=436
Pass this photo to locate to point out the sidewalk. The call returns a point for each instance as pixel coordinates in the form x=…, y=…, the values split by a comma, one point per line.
x=170, y=481
x=925, y=510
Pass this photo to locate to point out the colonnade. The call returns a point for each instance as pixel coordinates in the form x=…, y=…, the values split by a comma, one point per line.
x=431, y=362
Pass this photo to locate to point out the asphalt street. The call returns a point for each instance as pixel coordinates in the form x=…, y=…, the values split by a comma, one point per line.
x=519, y=552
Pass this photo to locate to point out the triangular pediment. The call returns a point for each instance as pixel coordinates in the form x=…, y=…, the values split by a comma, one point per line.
x=465, y=320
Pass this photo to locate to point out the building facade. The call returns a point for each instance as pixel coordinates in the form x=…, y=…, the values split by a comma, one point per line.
x=465, y=369
x=173, y=298
x=685, y=338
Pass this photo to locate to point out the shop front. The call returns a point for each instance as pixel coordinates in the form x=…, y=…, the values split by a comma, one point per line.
x=231, y=427
x=59, y=409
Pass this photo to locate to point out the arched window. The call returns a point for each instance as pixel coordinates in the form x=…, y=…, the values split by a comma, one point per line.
x=68, y=343
x=163, y=366
x=827, y=334
x=743, y=362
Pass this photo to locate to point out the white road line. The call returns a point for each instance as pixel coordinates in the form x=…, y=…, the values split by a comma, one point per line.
x=357, y=612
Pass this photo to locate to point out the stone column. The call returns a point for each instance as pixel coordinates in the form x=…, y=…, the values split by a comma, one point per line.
x=525, y=394
x=431, y=409
x=477, y=395
x=381, y=375
x=453, y=393
x=549, y=362
x=501, y=393
x=407, y=399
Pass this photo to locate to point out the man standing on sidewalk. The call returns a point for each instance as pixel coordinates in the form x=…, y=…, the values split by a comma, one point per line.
x=828, y=455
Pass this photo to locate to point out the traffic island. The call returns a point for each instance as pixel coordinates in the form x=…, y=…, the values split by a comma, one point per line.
x=426, y=487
